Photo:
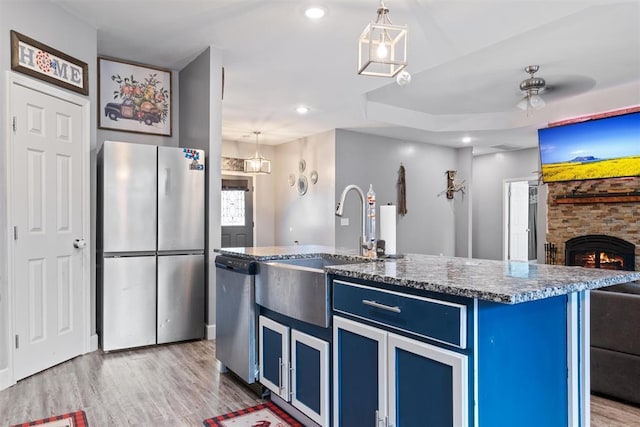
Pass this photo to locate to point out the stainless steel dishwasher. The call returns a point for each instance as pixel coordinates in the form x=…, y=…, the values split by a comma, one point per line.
x=236, y=318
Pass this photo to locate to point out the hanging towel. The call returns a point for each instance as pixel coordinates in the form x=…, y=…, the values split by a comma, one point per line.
x=402, y=192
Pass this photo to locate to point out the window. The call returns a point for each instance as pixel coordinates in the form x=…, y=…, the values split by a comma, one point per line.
x=233, y=208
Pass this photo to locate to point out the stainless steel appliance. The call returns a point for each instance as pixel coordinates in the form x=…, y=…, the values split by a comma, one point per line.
x=236, y=318
x=151, y=264
x=181, y=261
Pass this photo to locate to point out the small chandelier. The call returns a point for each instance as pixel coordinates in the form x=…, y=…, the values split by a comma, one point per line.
x=257, y=164
x=382, y=47
x=532, y=87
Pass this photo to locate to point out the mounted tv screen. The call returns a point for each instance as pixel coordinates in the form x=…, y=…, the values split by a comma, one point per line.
x=602, y=148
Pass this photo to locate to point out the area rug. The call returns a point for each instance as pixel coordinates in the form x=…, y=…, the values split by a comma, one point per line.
x=263, y=415
x=73, y=419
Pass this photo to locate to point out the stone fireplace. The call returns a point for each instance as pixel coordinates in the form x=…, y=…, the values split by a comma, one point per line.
x=573, y=217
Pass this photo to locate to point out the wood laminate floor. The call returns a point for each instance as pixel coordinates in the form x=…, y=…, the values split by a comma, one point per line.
x=170, y=385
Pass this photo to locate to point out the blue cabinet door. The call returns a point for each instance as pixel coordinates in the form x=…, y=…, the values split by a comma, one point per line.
x=274, y=357
x=359, y=374
x=310, y=376
x=427, y=385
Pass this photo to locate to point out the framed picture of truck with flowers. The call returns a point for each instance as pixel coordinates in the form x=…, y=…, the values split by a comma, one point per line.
x=134, y=97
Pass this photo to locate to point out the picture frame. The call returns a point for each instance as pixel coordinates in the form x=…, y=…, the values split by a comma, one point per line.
x=35, y=59
x=134, y=97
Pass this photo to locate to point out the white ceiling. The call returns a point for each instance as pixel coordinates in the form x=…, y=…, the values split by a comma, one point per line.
x=466, y=59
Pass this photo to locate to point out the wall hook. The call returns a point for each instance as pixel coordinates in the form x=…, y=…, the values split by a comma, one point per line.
x=452, y=185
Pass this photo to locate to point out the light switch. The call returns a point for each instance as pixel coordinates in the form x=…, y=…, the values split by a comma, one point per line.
x=344, y=221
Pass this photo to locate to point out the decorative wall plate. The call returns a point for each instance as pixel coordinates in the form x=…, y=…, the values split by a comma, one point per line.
x=302, y=165
x=292, y=179
x=302, y=185
x=314, y=177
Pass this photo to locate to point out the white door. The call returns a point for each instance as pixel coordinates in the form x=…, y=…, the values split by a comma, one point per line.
x=46, y=210
x=519, y=221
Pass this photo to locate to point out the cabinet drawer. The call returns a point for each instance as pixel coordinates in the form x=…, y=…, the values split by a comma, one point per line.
x=441, y=321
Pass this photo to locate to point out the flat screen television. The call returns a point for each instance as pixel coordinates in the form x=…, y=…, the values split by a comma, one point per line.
x=593, y=149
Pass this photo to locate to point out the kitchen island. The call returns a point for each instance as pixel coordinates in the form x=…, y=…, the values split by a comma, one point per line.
x=429, y=340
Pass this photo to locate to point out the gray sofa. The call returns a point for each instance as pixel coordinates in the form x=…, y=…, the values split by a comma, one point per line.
x=615, y=342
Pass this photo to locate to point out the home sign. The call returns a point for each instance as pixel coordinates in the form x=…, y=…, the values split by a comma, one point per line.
x=46, y=63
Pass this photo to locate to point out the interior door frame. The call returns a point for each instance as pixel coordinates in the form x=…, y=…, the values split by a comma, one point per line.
x=7, y=376
x=252, y=182
x=505, y=211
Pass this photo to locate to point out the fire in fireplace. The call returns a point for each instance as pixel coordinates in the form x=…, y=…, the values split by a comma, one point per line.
x=598, y=251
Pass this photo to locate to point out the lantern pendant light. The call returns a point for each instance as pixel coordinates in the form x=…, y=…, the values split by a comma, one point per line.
x=382, y=47
x=257, y=164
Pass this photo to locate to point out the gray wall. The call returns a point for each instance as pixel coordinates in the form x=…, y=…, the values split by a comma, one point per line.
x=462, y=203
x=194, y=84
x=489, y=173
x=201, y=127
x=429, y=226
x=264, y=189
x=307, y=219
x=50, y=25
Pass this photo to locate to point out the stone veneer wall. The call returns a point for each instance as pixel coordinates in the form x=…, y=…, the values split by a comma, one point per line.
x=565, y=221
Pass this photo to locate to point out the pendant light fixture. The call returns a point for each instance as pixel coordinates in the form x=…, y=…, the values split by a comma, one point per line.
x=382, y=47
x=257, y=164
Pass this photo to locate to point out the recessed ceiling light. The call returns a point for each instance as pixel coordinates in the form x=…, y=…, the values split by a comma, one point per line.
x=302, y=109
x=315, y=12
x=466, y=139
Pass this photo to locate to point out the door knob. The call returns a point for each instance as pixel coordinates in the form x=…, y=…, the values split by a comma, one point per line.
x=79, y=243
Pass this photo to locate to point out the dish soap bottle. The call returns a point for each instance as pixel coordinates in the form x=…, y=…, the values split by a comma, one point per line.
x=371, y=223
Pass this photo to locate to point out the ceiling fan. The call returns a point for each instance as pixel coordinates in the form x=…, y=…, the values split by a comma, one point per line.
x=563, y=86
x=531, y=88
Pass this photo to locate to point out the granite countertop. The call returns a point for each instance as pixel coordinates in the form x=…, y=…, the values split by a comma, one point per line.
x=270, y=253
x=499, y=281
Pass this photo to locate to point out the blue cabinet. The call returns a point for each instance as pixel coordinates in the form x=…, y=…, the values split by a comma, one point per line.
x=310, y=376
x=274, y=356
x=383, y=378
x=359, y=374
x=427, y=385
x=295, y=366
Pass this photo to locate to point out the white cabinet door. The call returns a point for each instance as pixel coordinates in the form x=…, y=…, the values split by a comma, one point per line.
x=428, y=385
x=310, y=376
x=274, y=357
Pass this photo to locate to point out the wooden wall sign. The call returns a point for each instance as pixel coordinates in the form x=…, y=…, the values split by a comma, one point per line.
x=43, y=62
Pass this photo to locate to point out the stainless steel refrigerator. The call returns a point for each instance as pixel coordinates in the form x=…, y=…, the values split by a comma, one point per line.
x=151, y=264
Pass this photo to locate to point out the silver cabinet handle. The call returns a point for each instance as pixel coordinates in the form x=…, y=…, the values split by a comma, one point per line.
x=292, y=392
x=395, y=308
x=280, y=365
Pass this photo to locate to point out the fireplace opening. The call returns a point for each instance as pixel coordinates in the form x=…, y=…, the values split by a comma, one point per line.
x=599, y=251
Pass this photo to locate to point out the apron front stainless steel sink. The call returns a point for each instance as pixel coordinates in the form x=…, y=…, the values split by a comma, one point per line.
x=297, y=288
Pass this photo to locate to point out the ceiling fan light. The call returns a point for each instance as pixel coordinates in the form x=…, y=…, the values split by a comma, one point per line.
x=536, y=101
x=524, y=103
x=531, y=87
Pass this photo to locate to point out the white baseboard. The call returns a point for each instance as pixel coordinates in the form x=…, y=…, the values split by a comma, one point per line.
x=5, y=379
x=210, y=332
x=93, y=343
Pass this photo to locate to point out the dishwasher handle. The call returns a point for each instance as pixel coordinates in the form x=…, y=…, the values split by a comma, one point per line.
x=237, y=265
